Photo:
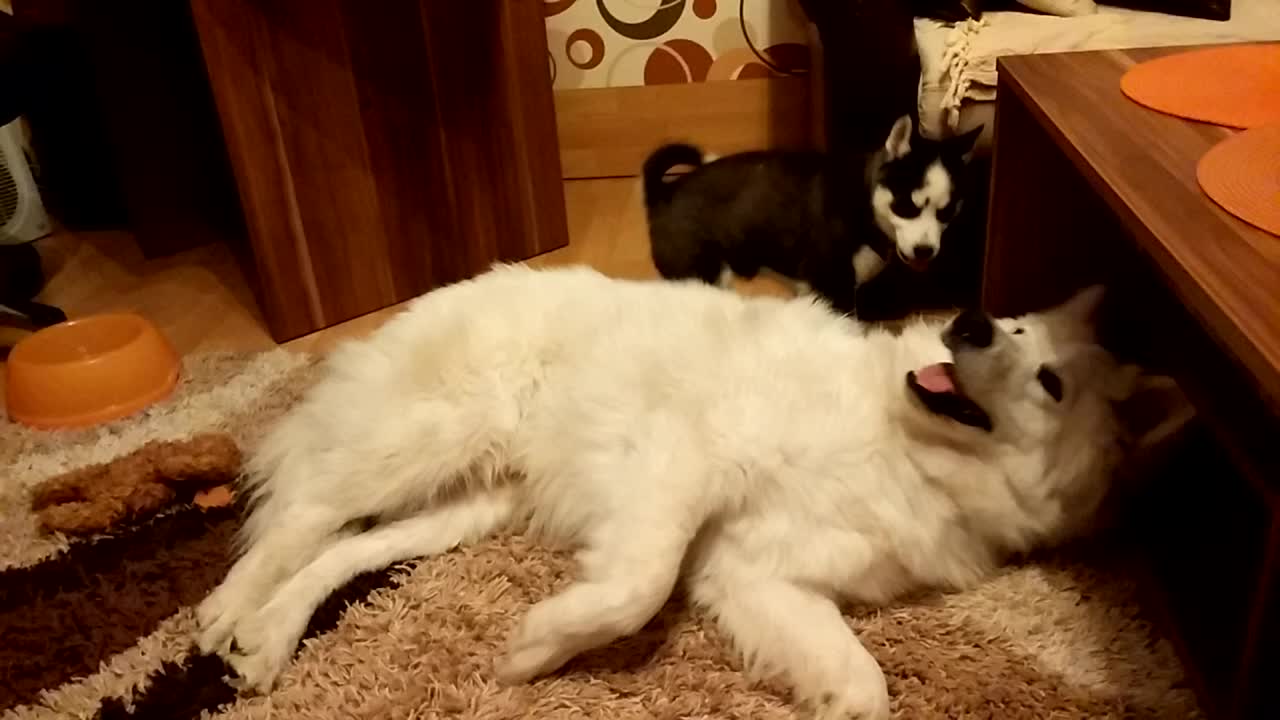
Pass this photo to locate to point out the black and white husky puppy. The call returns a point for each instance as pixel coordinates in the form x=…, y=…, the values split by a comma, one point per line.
x=822, y=224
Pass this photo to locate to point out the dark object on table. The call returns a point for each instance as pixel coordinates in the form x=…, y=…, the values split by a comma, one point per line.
x=950, y=10
x=961, y=10
x=1206, y=9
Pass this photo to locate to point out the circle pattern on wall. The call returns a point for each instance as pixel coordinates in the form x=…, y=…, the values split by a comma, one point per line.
x=611, y=43
x=584, y=41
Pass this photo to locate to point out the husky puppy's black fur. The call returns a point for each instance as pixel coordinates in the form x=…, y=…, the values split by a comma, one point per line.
x=825, y=225
x=754, y=211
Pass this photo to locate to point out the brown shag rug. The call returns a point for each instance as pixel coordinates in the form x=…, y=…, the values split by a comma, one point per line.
x=101, y=627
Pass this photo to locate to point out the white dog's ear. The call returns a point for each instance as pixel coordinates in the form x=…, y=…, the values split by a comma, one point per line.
x=899, y=142
x=1156, y=417
x=1125, y=382
x=1084, y=304
x=1152, y=407
x=963, y=145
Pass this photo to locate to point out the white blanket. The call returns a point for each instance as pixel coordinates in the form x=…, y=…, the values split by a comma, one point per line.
x=959, y=61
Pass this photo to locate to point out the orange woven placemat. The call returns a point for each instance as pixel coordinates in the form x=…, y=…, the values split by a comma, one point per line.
x=1233, y=85
x=1242, y=174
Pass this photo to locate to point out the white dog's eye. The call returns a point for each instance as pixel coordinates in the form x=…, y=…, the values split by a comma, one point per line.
x=1018, y=331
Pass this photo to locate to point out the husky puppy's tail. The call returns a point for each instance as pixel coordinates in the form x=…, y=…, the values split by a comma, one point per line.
x=657, y=191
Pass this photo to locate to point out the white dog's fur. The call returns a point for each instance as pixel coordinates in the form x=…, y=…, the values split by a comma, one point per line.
x=767, y=450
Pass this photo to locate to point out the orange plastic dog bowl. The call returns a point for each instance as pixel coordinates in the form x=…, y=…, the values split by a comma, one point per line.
x=87, y=371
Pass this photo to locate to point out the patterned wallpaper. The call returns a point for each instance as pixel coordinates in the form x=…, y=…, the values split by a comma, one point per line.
x=614, y=43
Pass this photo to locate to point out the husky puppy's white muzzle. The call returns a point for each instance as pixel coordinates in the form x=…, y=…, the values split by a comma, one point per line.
x=918, y=239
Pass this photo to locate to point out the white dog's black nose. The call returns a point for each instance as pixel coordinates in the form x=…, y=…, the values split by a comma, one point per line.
x=972, y=328
x=922, y=252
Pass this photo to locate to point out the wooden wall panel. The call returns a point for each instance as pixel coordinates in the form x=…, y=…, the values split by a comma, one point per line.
x=409, y=154
x=383, y=149
x=608, y=132
x=490, y=59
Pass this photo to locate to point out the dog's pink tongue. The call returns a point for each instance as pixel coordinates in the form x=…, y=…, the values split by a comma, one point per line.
x=935, y=379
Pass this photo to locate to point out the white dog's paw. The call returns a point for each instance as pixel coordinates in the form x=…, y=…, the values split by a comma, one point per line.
x=216, y=619
x=860, y=701
x=522, y=664
x=263, y=644
x=256, y=672
x=860, y=710
x=533, y=651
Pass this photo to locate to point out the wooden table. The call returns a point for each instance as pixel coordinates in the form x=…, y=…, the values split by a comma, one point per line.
x=1089, y=187
x=382, y=148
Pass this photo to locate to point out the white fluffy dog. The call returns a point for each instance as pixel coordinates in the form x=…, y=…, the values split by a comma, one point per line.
x=780, y=458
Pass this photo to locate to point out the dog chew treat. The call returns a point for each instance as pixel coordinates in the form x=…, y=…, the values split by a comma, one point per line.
x=96, y=497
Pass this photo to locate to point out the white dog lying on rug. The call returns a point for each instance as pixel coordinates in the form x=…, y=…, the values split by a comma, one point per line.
x=779, y=457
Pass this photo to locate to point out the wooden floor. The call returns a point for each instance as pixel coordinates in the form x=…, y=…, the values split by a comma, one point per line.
x=202, y=302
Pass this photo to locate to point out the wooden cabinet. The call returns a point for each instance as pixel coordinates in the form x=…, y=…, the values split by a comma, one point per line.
x=383, y=148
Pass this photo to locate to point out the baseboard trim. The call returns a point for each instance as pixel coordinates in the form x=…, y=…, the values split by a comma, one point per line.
x=608, y=132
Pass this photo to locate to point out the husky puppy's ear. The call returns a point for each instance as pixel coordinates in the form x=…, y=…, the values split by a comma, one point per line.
x=899, y=142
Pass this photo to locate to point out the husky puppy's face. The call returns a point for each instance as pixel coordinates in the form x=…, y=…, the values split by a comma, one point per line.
x=916, y=190
x=1036, y=374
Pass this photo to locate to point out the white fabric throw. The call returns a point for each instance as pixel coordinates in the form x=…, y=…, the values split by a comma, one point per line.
x=959, y=62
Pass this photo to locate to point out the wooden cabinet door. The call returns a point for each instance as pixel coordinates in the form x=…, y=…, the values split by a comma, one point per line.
x=383, y=148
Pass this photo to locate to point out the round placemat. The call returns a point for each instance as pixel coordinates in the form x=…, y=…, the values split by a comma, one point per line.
x=1242, y=174
x=1233, y=85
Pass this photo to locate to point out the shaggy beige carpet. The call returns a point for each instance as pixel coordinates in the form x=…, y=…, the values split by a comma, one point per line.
x=101, y=627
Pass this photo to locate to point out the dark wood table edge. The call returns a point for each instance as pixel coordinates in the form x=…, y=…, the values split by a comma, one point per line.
x=1193, y=295
x=1177, y=282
